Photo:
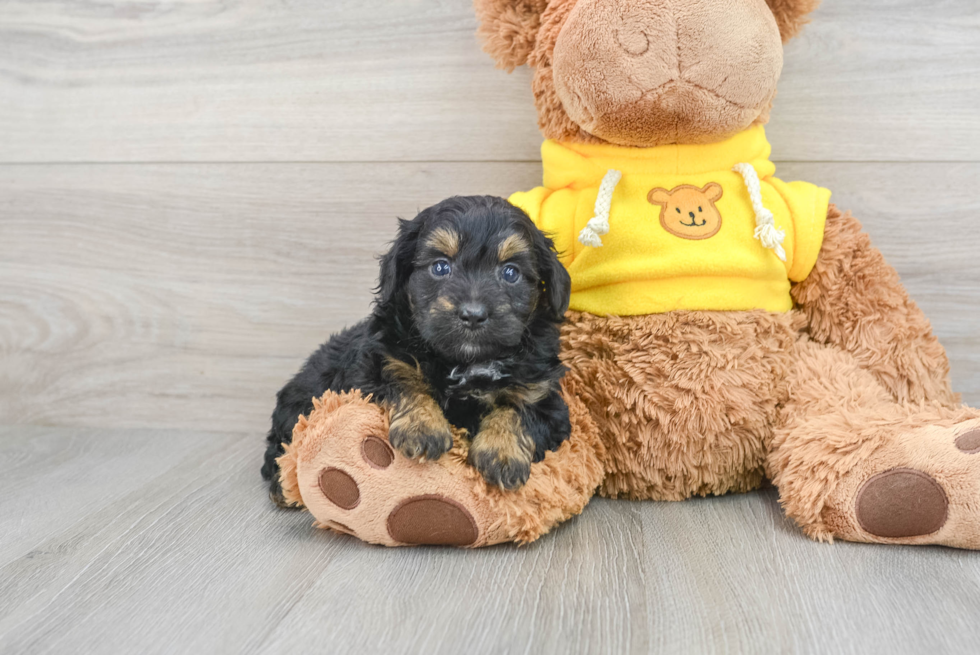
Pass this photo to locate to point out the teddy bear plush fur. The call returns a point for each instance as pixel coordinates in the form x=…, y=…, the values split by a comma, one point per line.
x=843, y=401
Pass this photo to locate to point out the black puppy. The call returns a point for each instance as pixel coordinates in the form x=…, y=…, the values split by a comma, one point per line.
x=465, y=331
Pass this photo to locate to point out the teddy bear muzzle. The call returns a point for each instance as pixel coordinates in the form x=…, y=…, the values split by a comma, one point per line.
x=649, y=73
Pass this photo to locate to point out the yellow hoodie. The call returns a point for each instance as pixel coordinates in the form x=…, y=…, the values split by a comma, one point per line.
x=681, y=225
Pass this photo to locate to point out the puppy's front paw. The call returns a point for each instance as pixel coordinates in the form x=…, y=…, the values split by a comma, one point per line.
x=501, y=468
x=420, y=431
x=275, y=495
x=501, y=451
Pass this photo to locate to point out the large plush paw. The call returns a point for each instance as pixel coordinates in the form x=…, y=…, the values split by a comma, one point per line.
x=354, y=482
x=343, y=469
x=919, y=487
x=421, y=431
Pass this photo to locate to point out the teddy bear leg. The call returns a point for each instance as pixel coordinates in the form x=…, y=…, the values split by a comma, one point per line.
x=341, y=467
x=854, y=299
x=852, y=463
x=685, y=402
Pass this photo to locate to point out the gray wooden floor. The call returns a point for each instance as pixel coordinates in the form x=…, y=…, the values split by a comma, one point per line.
x=191, y=197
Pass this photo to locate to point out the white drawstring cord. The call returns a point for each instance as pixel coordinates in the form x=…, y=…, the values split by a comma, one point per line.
x=599, y=224
x=765, y=225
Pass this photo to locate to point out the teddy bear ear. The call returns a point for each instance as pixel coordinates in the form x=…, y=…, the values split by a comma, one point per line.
x=509, y=29
x=713, y=191
x=658, y=196
x=791, y=15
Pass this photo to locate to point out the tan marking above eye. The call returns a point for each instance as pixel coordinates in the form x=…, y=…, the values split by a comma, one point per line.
x=445, y=240
x=512, y=246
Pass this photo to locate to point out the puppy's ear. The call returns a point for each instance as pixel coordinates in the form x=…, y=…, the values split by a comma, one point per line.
x=397, y=264
x=555, y=279
x=791, y=15
x=509, y=29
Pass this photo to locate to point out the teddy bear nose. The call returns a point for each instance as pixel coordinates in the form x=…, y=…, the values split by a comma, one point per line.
x=473, y=314
x=691, y=214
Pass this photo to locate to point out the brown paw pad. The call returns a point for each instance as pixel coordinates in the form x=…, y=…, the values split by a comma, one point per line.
x=969, y=442
x=432, y=520
x=377, y=453
x=339, y=488
x=901, y=502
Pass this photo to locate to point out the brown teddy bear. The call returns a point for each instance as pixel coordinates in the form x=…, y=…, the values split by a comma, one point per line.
x=725, y=326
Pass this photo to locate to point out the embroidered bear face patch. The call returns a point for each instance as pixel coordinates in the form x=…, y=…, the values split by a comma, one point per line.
x=689, y=212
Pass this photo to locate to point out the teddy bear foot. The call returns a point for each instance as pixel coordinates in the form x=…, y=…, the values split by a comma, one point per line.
x=342, y=468
x=923, y=487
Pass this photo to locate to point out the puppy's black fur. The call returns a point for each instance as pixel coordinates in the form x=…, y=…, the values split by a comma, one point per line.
x=464, y=331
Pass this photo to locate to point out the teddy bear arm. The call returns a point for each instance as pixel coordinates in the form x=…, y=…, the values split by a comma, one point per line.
x=853, y=299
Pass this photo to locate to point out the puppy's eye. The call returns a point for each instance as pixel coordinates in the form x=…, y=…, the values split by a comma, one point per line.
x=441, y=268
x=510, y=273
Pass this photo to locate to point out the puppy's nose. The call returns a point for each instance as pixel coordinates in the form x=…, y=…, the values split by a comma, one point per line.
x=473, y=314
